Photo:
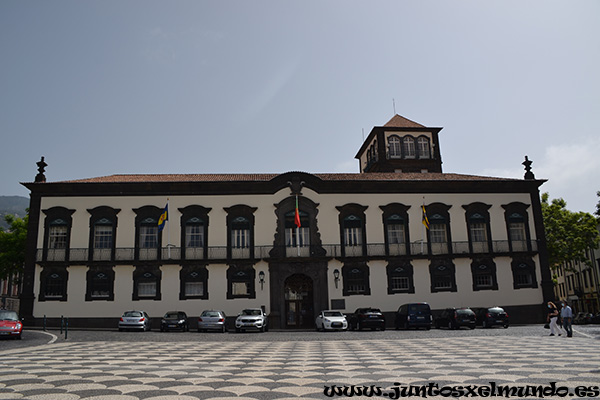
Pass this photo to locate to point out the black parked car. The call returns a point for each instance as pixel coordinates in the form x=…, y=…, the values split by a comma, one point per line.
x=413, y=315
x=174, y=320
x=583, y=318
x=454, y=318
x=488, y=317
x=366, y=318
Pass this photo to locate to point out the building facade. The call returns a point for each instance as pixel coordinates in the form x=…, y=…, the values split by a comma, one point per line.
x=295, y=243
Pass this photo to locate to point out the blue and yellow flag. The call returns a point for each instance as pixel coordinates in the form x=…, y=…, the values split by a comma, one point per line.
x=424, y=219
x=164, y=217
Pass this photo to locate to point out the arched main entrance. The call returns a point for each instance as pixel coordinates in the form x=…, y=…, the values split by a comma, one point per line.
x=298, y=293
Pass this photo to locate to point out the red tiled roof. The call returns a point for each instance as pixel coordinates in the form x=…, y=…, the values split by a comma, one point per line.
x=399, y=121
x=372, y=176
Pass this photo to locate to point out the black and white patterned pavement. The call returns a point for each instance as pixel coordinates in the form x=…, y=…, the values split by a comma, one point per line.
x=112, y=370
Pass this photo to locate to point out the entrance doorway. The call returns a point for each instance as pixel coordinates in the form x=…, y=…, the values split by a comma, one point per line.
x=298, y=292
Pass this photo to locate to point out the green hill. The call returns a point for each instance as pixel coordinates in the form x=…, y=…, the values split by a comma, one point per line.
x=15, y=205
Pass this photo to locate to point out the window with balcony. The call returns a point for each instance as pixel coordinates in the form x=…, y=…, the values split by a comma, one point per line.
x=194, y=232
x=395, y=225
x=57, y=233
x=438, y=234
x=517, y=226
x=103, y=229
x=148, y=241
x=477, y=217
x=240, y=225
x=352, y=230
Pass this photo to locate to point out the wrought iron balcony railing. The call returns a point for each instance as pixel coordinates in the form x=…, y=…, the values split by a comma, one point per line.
x=374, y=250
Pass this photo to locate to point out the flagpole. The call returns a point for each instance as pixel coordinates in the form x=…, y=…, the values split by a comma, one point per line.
x=297, y=231
x=168, y=233
x=422, y=223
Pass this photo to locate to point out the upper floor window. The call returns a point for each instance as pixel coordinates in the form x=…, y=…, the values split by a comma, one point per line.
x=352, y=230
x=438, y=234
x=297, y=236
x=395, y=222
x=477, y=217
x=240, y=226
x=408, y=144
x=517, y=226
x=57, y=233
x=148, y=239
x=423, y=147
x=194, y=231
x=394, y=148
x=103, y=228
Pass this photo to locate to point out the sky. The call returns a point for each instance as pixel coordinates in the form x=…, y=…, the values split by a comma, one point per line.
x=148, y=87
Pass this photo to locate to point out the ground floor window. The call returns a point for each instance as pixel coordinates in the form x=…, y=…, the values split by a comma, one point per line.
x=240, y=281
x=356, y=279
x=194, y=282
x=400, y=278
x=443, y=276
x=53, y=284
x=524, y=274
x=100, y=284
x=146, y=283
x=483, y=272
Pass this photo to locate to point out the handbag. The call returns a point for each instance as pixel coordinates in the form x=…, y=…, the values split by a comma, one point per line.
x=547, y=325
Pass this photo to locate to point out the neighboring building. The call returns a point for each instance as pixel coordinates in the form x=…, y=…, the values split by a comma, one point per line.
x=578, y=283
x=231, y=240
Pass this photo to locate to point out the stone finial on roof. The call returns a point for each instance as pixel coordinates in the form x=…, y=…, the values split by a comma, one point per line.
x=527, y=163
x=40, y=177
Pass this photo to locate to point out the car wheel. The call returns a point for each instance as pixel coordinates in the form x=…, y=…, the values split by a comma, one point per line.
x=359, y=327
x=450, y=326
x=223, y=330
x=485, y=324
x=120, y=329
x=383, y=328
x=19, y=337
x=505, y=326
x=472, y=326
x=238, y=330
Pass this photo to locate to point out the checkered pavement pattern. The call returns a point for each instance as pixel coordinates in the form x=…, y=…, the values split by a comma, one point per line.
x=287, y=370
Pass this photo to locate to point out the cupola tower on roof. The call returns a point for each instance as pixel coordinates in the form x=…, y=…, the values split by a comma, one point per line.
x=401, y=145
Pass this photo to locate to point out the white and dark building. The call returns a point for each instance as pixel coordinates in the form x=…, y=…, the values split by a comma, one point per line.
x=231, y=240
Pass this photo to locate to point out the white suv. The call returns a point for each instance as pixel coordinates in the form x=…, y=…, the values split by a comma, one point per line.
x=251, y=318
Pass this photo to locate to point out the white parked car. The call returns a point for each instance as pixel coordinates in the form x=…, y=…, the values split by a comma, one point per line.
x=331, y=320
x=251, y=318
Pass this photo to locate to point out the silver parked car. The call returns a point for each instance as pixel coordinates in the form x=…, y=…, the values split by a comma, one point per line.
x=212, y=320
x=134, y=320
x=251, y=318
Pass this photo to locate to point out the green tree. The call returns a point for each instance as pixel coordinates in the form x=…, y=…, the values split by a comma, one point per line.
x=597, y=213
x=568, y=234
x=12, y=246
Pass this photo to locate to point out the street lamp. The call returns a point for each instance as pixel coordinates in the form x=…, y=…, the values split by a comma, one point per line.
x=261, y=279
x=336, y=277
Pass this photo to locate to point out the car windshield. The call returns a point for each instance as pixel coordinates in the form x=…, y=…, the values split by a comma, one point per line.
x=132, y=314
x=419, y=308
x=252, y=312
x=464, y=312
x=372, y=311
x=495, y=310
x=173, y=316
x=332, y=314
x=210, y=314
x=8, y=316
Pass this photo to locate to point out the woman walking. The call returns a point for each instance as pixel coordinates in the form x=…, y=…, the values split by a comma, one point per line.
x=552, y=318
